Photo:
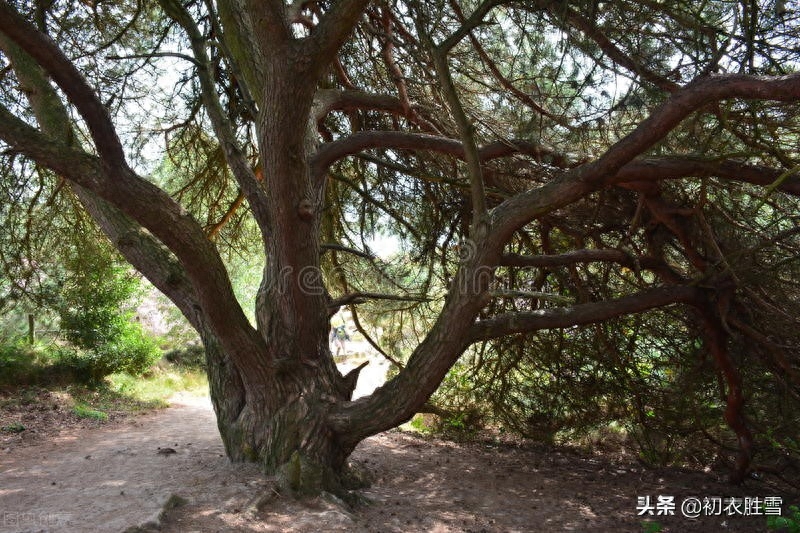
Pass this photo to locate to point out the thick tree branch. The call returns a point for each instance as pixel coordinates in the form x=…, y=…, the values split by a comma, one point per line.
x=653, y=264
x=137, y=245
x=569, y=258
x=332, y=31
x=328, y=100
x=467, y=25
x=665, y=168
x=47, y=54
x=686, y=101
x=537, y=295
x=582, y=314
x=156, y=211
x=110, y=178
x=398, y=140
x=716, y=338
x=333, y=151
x=345, y=249
x=361, y=297
x=639, y=170
x=574, y=184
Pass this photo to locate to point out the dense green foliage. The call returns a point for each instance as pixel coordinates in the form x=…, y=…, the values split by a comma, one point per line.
x=96, y=318
x=85, y=296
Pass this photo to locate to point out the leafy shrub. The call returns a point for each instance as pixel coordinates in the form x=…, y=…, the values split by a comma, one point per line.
x=93, y=300
x=190, y=356
x=131, y=352
x=17, y=364
x=790, y=523
x=96, y=315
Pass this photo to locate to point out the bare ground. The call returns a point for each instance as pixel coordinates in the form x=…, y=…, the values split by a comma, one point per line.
x=166, y=471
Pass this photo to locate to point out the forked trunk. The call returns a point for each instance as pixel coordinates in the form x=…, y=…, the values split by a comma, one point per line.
x=277, y=416
x=281, y=424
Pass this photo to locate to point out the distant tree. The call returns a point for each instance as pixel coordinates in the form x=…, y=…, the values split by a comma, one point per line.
x=548, y=164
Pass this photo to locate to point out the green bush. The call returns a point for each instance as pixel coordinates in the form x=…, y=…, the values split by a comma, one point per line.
x=17, y=364
x=190, y=356
x=95, y=301
x=131, y=352
x=96, y=312
x=789, y=523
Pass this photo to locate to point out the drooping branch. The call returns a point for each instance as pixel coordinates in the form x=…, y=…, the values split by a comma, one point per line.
x=647, y=169
x=234, y=155
x=391, y=64
x=717, y=342
x=396, y=215
x=153, y=209
x=582, y=314
x=372, y=342
x=466, y=129
x=490, y=64
x=612, y=51
x=47, y=54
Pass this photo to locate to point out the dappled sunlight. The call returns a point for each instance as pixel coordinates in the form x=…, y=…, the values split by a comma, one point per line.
x=113, y=477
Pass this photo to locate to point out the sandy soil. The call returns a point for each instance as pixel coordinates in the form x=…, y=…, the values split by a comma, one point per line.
x=166, y=470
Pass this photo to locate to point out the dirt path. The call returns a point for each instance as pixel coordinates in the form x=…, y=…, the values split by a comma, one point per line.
x=110, y=478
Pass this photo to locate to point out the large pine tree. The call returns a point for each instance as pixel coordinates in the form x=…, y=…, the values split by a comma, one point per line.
x=621, y=155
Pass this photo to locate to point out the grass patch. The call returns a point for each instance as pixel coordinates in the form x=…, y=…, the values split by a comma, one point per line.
x=47, y=406
x=162, y=382
x=117, y=395
x=104, y=398
x=85, y=411
x=420, y=423
x=16, y=427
